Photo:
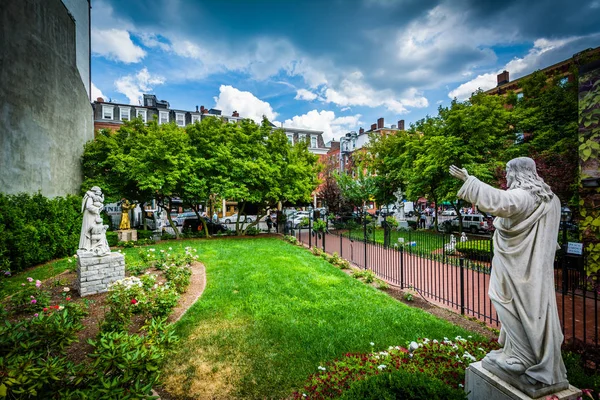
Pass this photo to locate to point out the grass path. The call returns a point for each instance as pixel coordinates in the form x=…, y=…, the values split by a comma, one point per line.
x=271, y=313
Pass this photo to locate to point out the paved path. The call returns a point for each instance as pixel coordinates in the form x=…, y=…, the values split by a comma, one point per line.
x=439, y=281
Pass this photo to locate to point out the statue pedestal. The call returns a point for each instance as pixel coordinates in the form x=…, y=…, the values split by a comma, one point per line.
x=403, y=224
x=127, y=235
x=482, y=384
x=95, y=273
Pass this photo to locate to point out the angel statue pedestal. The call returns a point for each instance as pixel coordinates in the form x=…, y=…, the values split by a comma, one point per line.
x=97, y=266
x=125, y=233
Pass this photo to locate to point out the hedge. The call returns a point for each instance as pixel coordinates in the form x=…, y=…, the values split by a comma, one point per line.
x=35, y=229
x=475, y=249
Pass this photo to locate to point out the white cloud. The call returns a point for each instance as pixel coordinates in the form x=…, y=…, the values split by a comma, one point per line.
x=516, y=67
x=249, y=106
x=303, y=94
x=353, y=91
x=116, y=44
x=133, y=86
x=96, y=92
x=325, y=121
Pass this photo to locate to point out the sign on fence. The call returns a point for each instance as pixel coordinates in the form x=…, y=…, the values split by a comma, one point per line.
x=575, y=248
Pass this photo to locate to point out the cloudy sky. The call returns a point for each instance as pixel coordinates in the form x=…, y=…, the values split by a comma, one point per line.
x=330, y=65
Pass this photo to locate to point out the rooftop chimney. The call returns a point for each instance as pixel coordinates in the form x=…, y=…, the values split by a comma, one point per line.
x=202, y=109
x=196, y=108
x=235, y=114
x=503, y=78
x=100, y=100
x=401, y=124
x=380, y=123
x=373, y=127
x=361, y=131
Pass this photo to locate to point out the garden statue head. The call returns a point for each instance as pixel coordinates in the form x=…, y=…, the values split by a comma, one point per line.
x=521, y=173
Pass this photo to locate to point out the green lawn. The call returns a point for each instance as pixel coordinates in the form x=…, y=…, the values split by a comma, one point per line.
x=424, y=241
x=272, y=312
x=8, y=286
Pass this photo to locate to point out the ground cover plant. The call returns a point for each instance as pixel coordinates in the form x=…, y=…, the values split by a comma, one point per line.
x=41, y=350
x=271, y=312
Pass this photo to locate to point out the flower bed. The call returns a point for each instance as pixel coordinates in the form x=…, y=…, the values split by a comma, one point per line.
x=444, y=360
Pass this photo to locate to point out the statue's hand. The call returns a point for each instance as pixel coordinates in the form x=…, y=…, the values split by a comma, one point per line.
x=459, y=173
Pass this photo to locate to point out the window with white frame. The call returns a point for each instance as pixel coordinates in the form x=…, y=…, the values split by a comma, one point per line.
x=195, y=118
x=163, y=117
x=301, y=137
x=313, y=142
x=142, y=113
x=290, y=137
x=107, y=112
x=180, y=119
x=125, y=113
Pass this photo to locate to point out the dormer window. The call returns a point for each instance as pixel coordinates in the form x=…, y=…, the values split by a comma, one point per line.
x=107, y=112
x=141, y=113
x=195, y=118
x=313, y=142
x=163, y=117
x=290, y=137
x=125, y=113
x=180, y=119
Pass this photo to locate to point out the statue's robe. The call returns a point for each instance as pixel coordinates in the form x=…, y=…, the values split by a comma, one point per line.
x=522, y=277
x=90, y=212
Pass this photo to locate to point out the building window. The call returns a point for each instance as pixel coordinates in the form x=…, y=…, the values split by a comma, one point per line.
x=141, y=113
x=313, y=142
x=301, y=137
x=232, y=121
x=290, y=137
x=107, y=112
x=180, y=119
x=163, y=117
x=125, y=114
x=563, y=81
x=195, y=118
x=519, y=95
x=353, y=143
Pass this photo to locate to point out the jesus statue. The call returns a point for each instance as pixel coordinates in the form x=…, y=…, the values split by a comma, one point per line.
x=522, y=278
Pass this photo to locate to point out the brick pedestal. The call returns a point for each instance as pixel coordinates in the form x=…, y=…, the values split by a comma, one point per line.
x=94, y=274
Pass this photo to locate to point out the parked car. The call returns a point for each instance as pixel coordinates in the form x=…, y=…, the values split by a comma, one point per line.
x=193, y=225
x=153, y=218
x=473, y=223
x=233, y=218
x=298, y=217
x=448, y=213
x=180, y=219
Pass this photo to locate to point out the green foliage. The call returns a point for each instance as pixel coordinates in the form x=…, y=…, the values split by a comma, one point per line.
x=291, y=239
x=129, y=365
x=319, y=225
x=317, y=251
x=252, y=231
x=366, y=275
x=32, y=297
x=402, y=385
x=444, y=360
x=578, y=376
x=112, y=238
x=476, y=249
x=35, y=229
x=178, y=277
x=391, y=222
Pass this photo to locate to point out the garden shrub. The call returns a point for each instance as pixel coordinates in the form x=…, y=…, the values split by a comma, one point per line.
x=252, y=231
x=31, y=297
x=577, y=375
x=112, y=238
x=402, y=385
x=178, y=277
x=144, y=234
x=477, y=249
x=35, y=229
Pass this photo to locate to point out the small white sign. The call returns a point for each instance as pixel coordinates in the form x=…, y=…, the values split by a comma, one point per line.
x=575, y=248
x=401, y=240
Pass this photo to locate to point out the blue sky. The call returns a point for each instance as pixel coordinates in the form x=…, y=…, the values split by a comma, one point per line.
x=330, y=65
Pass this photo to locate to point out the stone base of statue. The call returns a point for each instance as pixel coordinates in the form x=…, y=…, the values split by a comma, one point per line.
x=95, y=273
x=127, y=235
x=480, y=383
x=403, y=224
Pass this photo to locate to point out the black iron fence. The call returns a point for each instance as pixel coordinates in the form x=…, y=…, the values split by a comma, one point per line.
x=453, y=271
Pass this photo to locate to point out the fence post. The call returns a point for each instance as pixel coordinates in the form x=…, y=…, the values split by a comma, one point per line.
x=365, y=236
x=309, y=232
x=402, y=267
x=462, y=285
x=341, y=243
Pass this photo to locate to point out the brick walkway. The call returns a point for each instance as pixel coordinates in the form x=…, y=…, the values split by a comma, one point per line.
x=440, y=282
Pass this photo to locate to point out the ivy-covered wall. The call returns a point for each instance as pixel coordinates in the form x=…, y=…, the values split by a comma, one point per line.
x=589, y=151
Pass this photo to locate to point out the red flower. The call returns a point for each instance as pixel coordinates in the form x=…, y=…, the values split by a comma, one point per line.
x=134, y=301
x=68, y=298
x=45, y=309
